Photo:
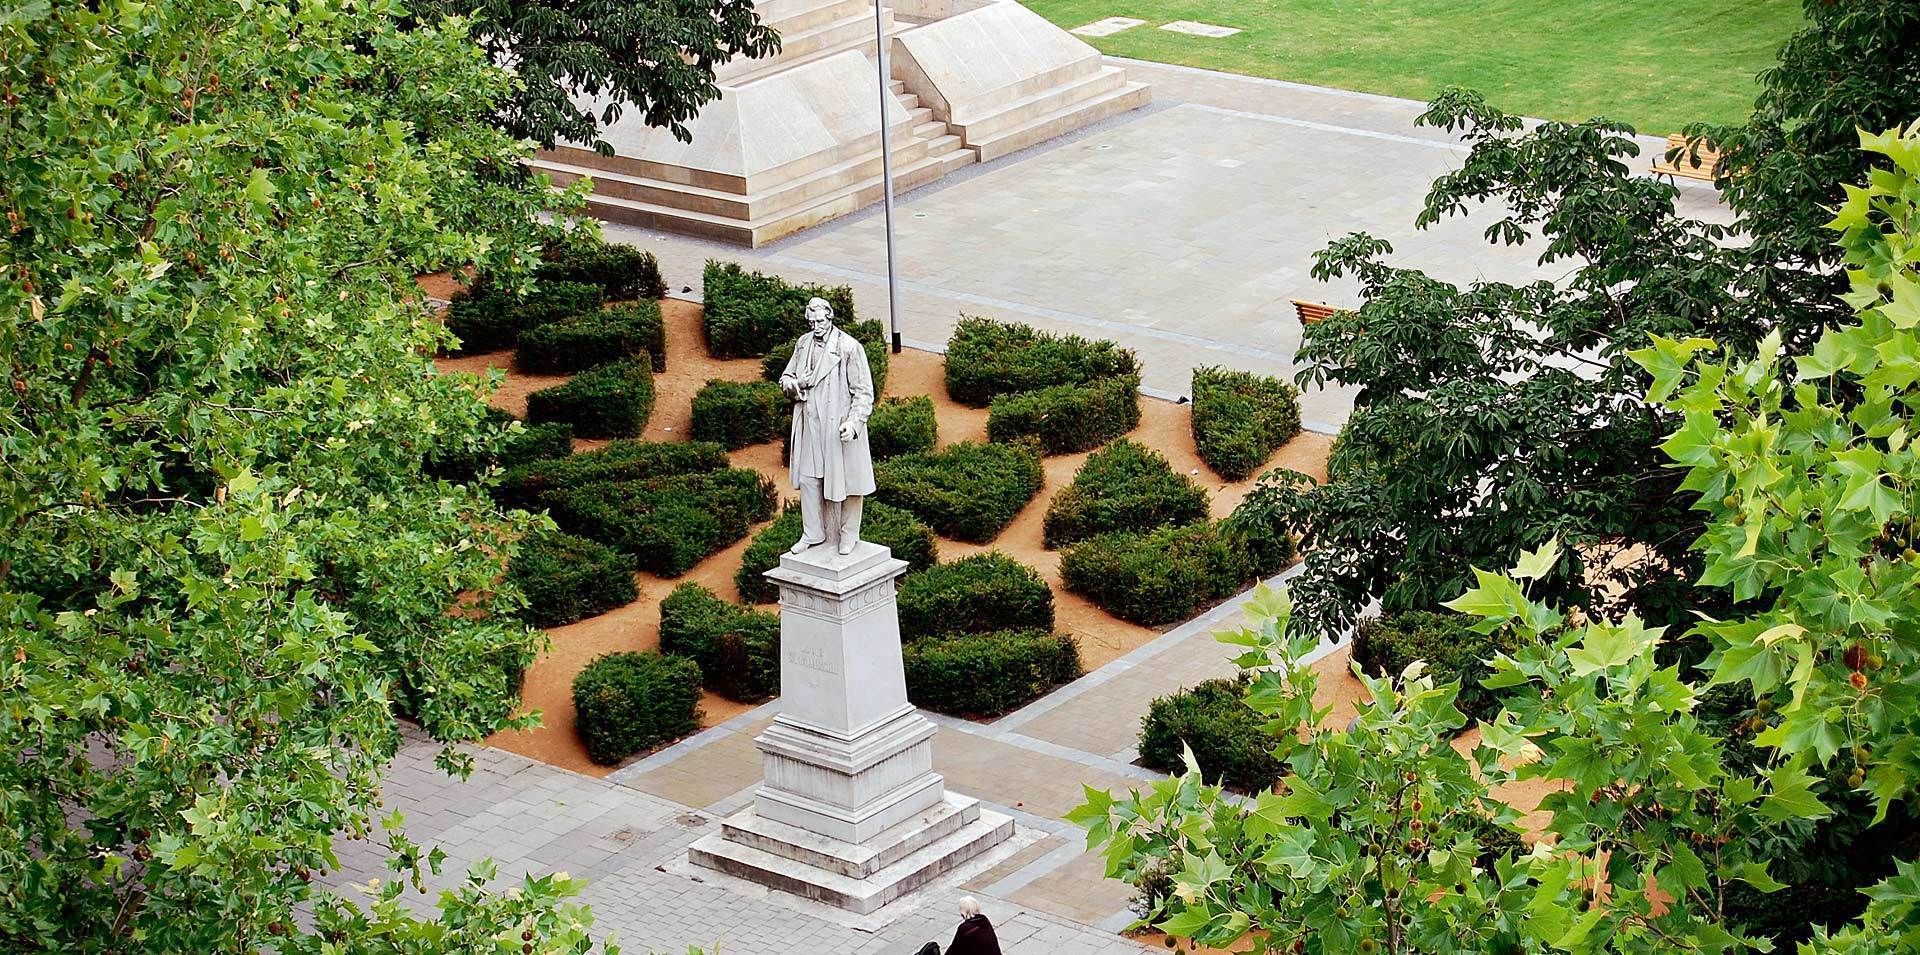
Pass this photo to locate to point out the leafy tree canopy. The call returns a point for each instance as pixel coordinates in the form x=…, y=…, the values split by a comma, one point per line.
x=222, y=570
x=654, y=56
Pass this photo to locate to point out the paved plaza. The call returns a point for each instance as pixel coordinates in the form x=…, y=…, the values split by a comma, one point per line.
x=1182, y=230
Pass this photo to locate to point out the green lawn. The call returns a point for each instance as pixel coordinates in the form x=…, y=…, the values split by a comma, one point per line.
x=1657, y=64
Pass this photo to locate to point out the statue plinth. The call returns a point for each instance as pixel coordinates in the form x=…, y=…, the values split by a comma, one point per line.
x=849, y=810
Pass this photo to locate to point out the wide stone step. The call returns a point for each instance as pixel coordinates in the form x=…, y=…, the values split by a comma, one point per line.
x=933, y=129
x=849, y=33
x=858, y=861
x=1063, y=120
x=789, y=17
x=862, y=895
x=1026, y=109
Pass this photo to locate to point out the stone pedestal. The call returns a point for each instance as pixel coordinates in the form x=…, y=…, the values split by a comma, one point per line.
x=849, y=810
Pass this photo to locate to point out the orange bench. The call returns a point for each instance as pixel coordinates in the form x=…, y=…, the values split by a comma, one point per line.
x=1701, y=166
x=1313, y=313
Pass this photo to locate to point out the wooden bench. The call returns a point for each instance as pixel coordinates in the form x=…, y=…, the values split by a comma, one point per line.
x=1684, y=164
x=1313, y=313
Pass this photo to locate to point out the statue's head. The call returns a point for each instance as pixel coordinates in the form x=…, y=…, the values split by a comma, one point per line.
x=819, y=316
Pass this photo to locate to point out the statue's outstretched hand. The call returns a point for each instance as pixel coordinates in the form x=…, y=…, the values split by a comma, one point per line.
x=849, y=430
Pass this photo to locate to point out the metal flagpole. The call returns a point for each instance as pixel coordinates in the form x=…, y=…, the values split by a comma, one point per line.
x=886, y=168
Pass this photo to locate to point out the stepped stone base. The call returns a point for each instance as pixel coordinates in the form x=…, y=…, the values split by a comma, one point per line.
x=794, y=139
x=859, y=877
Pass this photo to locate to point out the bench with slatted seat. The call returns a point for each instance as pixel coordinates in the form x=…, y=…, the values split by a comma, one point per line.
x=1313, y=313
x=1691, y=165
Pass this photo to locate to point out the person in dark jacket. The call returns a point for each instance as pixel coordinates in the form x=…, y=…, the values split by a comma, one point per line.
x=973, y=937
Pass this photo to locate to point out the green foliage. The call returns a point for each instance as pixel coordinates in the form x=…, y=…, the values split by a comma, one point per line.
x=1125, y=486
x=525, y=485
x=655, y=59
x=605, y=401
x=1491, y=417
x=1211, y=721
x=1068, y=418
x=738, y=648
x=594, y=338
x=491, y=316
x=890, y=527
x=749, y=314
x=1451, y=650
x=987, y=674
x=566, y=578
x=902, y=426
x=1240, y=419
x=967, y=491
x=667, y=524
x=978, y=594
x=538, y=442
x=622, y=271
x=735, y=414
x=871, y=335
x=1168, y=574
x=503, y=442
x=222, y=569
x=986, y=358
x=624, y=703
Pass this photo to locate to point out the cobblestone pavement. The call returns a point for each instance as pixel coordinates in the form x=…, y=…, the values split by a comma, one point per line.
x=1182, y=229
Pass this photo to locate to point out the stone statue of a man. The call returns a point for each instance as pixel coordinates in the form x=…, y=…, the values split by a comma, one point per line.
x=832, y=391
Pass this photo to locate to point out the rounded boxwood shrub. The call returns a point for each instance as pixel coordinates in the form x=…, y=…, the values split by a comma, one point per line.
x=567, y=578
x=748, y=314
x=968, y=491
x=1240, y=419
x=890, y=527
x=1228, y=739
x=902, y=426
x=524, y=485
x=1068, y=418
x=621, y=271
x=607, y=401
x=872, y=337
x=489, y=317
x=1164, y=575
x=978, y=594
x=624, y=703
x=1125, y=486
x=987, y=358
x=1384, y=646
x=667, y=524
x=738, y=648
x=582, y=341
x=987, y=674
x=735, y=414
x=538, y=442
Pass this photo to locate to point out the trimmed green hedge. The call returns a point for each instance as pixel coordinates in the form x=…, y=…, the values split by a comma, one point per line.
x=902, y=426
x=748, y=314
x=1447, y=641
x=537, y=442
x=987, y=674
x=1229, y=739
x=667, y=524
x=488, y=318
x=523, y=486
x=978, y=594
x=735, y=414
x=1125, y=486
x=624, y=703
x=622, y=271
x=1169, y=574
x=908, y=538
x=738, y=648
x=607, y=401
x=1068, y=418
x=499, y=446
x=1240, y=419
x=987, y=358
x=872, y=336
x=583, y=341
x=968, y=491
x=567, y=578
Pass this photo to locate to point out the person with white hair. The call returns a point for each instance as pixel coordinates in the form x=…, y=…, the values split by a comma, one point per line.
x=973, y=937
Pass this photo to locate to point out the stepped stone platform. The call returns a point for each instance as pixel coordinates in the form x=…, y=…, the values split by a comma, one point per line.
x=794, y=139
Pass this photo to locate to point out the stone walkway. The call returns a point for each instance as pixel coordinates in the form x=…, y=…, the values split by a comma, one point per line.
x=1183, y=229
